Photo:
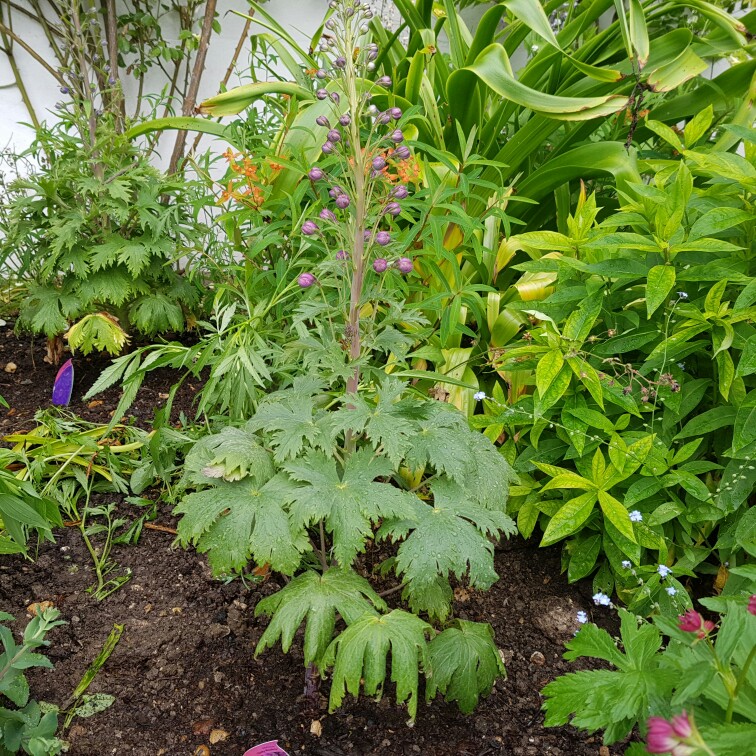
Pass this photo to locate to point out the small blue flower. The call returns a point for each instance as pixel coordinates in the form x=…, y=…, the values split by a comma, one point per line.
x=626, y=564
x=479, y=396
x=582, y=617
x=671, y=590
x=636, y=516
x=601, y=599
x=663, y=571
x=682, y=294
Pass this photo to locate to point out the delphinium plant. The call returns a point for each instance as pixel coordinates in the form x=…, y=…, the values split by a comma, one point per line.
x=348, y=461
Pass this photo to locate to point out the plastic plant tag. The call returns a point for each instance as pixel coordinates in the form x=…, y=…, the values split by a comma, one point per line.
x=63, y=386
x=270, y=748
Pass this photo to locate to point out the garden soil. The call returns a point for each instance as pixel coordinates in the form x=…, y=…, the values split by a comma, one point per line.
x=184, y=675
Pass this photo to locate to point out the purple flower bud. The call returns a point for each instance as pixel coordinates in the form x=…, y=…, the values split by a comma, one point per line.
x=330, y=23
x=400, y=192
x=372, y=54
x=327, y=215
x=405, y=265
x=309, y=227
x=321, y=94
x=383, y=238
x=345, y=119
x=335, y=191
x=306, y=280
x=393, y=208
x=396, y=113
x=340, y=62
x=379, y=163
x=335, y=97
x=327, y=148
x=401, y=153
x=342, y=201
x=380, y=264
x=320, y=74
x=64, y=90
x=342, y=254
x=315, y=174
x=396, y=136
x=375, y=174
x=384, y=81
x=382, y=118
x=367, y=235
x=334, y=136
x=321, y=120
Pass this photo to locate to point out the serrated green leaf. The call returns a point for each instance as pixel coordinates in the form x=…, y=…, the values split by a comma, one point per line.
x=234, y=520
x=316, y=599
x=348, y=502
x=359, y=655
x=464, y=664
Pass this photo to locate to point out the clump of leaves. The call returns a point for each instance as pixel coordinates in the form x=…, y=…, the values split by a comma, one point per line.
x=704, y=667
x=636, y=446
x=95, y=229
x=26, y=727
x=286, y=490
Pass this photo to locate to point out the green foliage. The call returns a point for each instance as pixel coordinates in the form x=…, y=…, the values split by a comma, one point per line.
x=637, y=354
x=465, y=663
x=25, y=727
x=96, y=228
x=708, y=673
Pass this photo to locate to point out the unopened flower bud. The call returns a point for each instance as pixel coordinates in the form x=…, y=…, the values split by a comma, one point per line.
x=335, y=191
x=345, y=119
x=383, y=118
x=396, y=136
x=401, y=153
x=335, y=97
x=342, y=201
x=327, y=215
x=400, y=192
x=393, y=208
x=315, y=174
x=334, y=136
x=383, y=238
x=384, y=81
x=342, y=254
x=321, y=94
x=379, y=163
x=327, y=148
x=370, y=66
x=309, y=228
x=306, y=280
x=340, y=62
x=380, y=264
x=320, y=74
x=405, y=265
x=396, y=113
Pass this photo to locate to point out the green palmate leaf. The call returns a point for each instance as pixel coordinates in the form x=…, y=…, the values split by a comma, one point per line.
x=359, y=655
x=293, y=423
x=235, y=520
x=569, y=518
x=316, y=599
x=610, y=700
x=232, y=454
x=348, y=502
x=464, y=664
x=451, y=536
x=661, y=280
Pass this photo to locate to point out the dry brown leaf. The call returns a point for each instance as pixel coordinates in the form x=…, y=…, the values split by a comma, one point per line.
x=316, y=728
x=39, y=606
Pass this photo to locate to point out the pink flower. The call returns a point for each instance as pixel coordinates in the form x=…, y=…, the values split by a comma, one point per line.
x=693, y=622
x=752, y=604
x=669, y=736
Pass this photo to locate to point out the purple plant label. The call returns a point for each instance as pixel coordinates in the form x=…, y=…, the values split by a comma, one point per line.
x=266, y=749
x=63, y=386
